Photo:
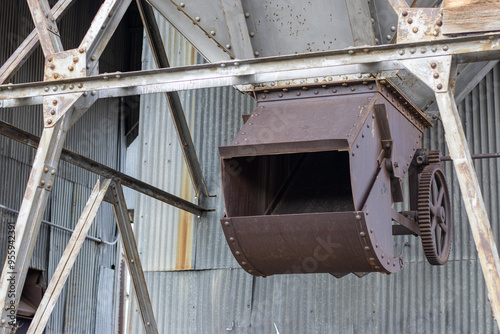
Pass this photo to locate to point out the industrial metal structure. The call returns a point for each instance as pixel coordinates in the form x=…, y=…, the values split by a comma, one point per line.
x=333, y=171
x=432, y=46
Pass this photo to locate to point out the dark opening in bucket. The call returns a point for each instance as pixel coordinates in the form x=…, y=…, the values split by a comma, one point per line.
x=288, y=184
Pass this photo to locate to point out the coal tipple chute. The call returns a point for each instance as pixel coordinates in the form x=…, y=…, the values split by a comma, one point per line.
x=310, y=181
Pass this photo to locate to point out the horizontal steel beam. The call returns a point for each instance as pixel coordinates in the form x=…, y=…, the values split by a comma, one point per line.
x=320, y=66
x=76, y=159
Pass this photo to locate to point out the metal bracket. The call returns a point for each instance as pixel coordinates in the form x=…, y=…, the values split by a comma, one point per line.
x=66, y=65
x=420, y=24
x=54, y=107
x=433, y=71
x=48, y=177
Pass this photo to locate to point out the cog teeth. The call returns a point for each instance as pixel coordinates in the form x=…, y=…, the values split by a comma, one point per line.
x=434, y=157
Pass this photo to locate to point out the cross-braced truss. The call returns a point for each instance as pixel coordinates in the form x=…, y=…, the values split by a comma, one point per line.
x=426, y=46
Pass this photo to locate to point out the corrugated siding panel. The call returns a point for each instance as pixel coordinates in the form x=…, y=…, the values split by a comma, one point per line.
x=165, y=234
x=218, y=119
x=209, y=301
x=420, y=299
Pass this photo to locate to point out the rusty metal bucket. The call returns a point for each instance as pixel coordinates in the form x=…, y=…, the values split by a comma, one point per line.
x=310, y=179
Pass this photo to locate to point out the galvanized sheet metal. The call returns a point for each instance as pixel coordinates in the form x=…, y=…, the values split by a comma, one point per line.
x=208, y=301
x=419, y=299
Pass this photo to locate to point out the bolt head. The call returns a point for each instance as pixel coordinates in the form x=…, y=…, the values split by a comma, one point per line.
x=439, y=86
x=56, y=75
x=71, y=68
x=182, y=4
x=433, y=65
x=410, y=20
x=228, y=46
x=197, y=19
x=81, y=50
x=92, y=58
x=49, y=122
x=436, y=75
x=52, y=66
x=54, y=102
x=404, y=13
x=256, y=53
x=52, y=112
x=212, y=32
x=415, y=30
x=252, y=34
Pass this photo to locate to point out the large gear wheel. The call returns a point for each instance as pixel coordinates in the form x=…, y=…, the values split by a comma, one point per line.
x=434, y=157
x=434, y=214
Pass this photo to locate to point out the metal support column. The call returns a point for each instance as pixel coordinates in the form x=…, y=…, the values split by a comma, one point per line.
x=115, y=196
x=439, y=73
x=60, y=112
x=40, y=182
x=69, y=257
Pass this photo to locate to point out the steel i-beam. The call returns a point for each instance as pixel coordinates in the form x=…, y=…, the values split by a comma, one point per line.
x=443, y=87
x=60, y=112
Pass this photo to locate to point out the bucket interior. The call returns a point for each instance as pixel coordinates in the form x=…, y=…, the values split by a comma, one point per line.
x=287, y=184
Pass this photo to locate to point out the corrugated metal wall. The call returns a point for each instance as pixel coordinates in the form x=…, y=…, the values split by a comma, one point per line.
x=197, y=287
x=95, y=135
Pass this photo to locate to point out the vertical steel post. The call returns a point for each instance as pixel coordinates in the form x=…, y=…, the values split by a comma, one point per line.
x=39, y=185
x=473, y=199
x=115, y=196
x=439, y=73
x=69, y=257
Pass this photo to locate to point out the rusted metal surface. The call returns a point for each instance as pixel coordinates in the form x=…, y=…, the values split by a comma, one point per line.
x=320, y=162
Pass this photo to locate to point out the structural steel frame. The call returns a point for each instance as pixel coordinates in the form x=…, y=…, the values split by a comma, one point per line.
x=72, y=85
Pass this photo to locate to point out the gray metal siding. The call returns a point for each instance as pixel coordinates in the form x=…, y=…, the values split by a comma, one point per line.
x=207, y=301
x=420, y=299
